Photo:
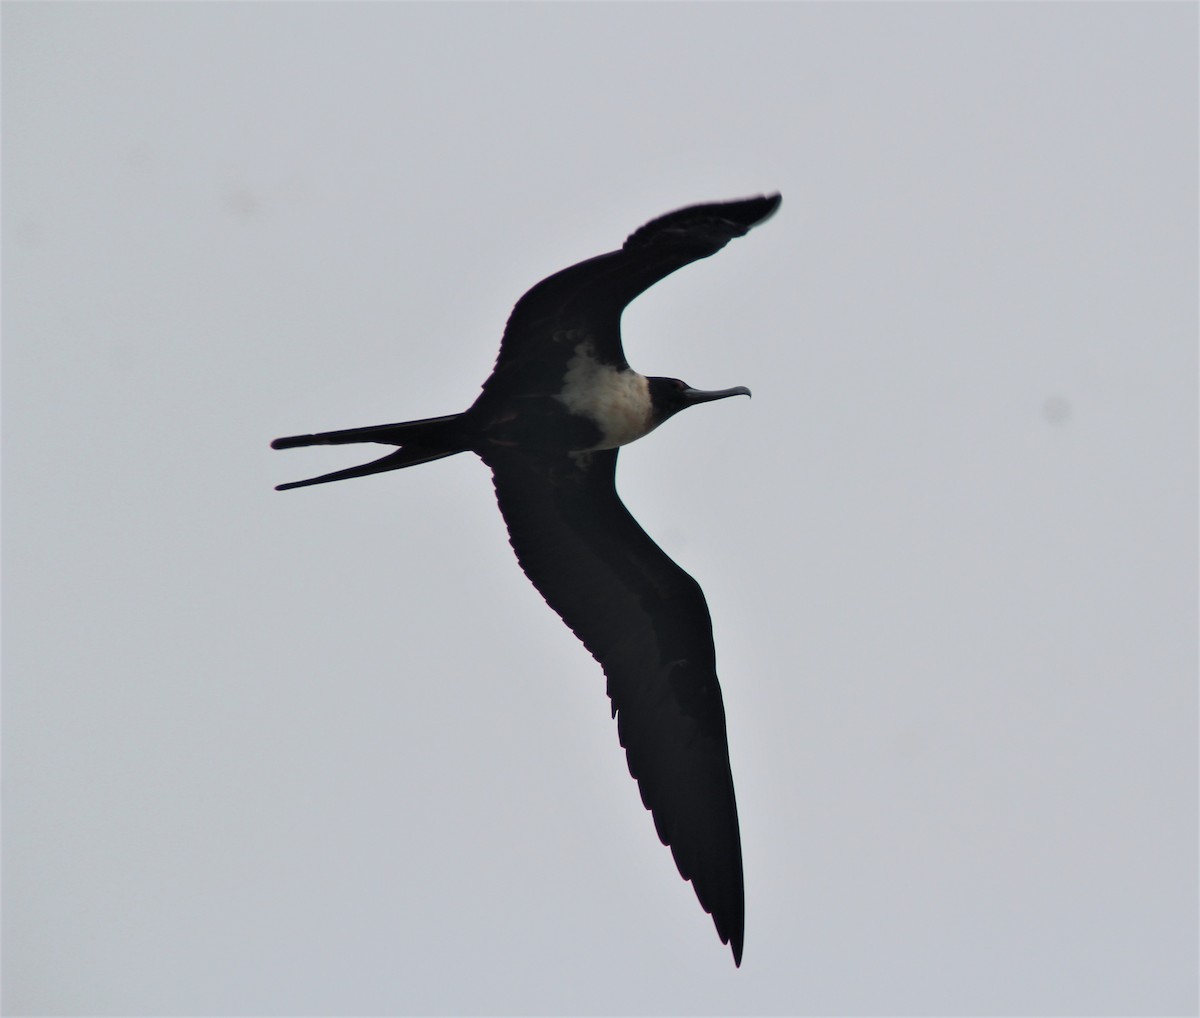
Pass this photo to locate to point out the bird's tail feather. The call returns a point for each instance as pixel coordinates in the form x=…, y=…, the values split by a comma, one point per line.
x=389, y=434
x=420, y=442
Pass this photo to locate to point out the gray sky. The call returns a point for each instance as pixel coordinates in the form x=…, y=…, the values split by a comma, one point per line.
x=327, y=752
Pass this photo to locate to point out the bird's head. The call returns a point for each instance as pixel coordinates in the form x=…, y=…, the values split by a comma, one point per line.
x=670, y=395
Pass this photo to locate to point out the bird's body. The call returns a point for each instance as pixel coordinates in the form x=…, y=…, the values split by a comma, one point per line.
x=548, y=423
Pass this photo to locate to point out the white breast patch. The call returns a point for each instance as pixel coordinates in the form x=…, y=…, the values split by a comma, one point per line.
x=618, y=401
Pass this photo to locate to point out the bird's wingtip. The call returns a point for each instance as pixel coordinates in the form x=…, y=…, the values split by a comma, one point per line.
x=774, y=200
x=757, y=210
x=735, y=945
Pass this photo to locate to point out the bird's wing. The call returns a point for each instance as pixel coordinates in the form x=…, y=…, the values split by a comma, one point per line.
x=647, y=623
x=584, y=302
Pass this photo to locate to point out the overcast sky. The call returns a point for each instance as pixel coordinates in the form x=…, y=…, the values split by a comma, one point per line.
x=327, y=752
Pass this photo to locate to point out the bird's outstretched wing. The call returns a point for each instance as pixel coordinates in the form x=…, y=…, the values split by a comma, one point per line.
x=585, y=301
x=647, y=623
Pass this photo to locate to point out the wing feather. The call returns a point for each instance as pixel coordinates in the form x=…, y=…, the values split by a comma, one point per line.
x=647, y=623
x=586, y=300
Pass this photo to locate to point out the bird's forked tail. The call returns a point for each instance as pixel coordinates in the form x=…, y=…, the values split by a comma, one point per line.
x=419, y=441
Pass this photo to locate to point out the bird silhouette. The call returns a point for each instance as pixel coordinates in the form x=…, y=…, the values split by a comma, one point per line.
x=549, y=421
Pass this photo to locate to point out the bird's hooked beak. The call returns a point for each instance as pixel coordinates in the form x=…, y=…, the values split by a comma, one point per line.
x=692, y=396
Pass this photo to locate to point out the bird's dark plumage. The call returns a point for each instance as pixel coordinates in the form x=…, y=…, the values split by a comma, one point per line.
x=646, y=621
x=548, y=422
x=589, y=297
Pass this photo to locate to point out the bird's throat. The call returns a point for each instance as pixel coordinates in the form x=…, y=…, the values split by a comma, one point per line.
x=616, y=400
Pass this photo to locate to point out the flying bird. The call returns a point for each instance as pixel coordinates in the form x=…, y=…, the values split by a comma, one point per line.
x=558, y=406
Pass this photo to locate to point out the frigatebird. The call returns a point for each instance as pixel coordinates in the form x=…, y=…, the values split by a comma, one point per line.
x=558, y=405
